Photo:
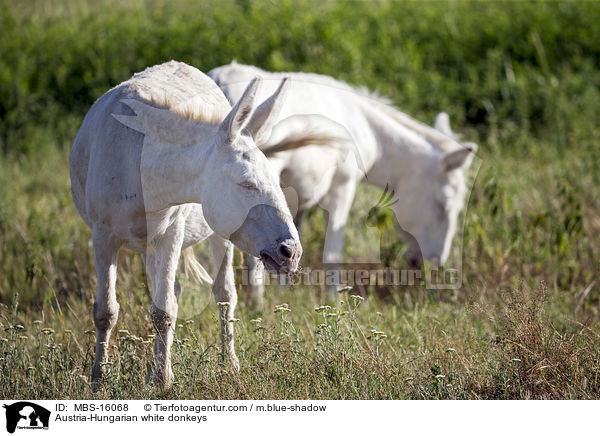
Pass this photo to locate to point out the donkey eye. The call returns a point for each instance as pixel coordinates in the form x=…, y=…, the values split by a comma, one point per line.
x=248, y=185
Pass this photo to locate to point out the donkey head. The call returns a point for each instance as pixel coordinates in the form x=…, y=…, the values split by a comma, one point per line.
x=432, y=199
x=242, y=200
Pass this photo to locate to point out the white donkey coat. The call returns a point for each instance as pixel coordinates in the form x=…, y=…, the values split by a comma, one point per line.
x=150, y=155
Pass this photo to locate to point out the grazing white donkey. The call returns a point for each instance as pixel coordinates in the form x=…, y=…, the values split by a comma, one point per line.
x=424, y=166
x=162, y=162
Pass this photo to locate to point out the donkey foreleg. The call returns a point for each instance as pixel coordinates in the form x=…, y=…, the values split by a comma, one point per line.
x=256, y=280
x=337, y=203
x=225, y=294
x=162, y=269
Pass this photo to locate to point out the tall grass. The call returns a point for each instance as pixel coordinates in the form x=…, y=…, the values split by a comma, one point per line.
x=520, y=78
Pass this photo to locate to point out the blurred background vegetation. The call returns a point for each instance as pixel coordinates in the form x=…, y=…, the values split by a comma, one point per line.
x=511, y=70
x=522, y=79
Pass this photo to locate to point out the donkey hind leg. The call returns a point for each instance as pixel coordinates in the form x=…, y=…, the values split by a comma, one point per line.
x=337, y=203
x=256, y=281
x=225, y=294
x=162, y=269
x=106, y=308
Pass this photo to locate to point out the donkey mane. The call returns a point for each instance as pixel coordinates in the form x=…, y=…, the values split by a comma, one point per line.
x=436, y=138
x=386, y=105
x=158, y=85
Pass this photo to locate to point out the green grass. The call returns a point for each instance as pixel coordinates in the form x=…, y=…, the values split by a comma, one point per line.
x=520, y=78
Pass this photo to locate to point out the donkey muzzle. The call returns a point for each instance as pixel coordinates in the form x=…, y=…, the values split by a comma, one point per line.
x=283, y=257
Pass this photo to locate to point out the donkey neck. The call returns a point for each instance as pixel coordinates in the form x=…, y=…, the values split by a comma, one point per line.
x=402, y=151
x=172, y=174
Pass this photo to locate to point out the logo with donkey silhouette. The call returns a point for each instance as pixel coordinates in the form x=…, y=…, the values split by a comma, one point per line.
x=26, y=415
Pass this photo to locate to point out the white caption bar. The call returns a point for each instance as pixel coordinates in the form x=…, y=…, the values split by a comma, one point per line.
x=90, y=418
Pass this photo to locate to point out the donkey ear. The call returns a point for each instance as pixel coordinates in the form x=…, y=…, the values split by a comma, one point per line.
x=460, y=158
x=238, y=117
x=264, y=117
x=442, y=124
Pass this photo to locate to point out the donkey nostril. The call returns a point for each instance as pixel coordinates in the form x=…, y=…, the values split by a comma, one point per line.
x=285, y=251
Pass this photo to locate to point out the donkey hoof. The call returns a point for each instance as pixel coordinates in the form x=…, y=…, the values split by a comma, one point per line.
x=161, y=380
x=98, y=373
x=230, y=361
x=235, y=363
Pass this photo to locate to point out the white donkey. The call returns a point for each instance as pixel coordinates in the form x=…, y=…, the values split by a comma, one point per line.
x=162, y=162
x=424, y=166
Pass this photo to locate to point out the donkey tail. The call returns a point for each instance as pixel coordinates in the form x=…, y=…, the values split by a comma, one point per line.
x=293, y=142
x=194, y=269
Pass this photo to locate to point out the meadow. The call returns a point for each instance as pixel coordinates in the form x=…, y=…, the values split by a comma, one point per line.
x=522, y=79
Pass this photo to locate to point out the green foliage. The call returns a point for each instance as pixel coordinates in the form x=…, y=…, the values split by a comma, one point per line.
x=520, y=78
x=509, y=69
